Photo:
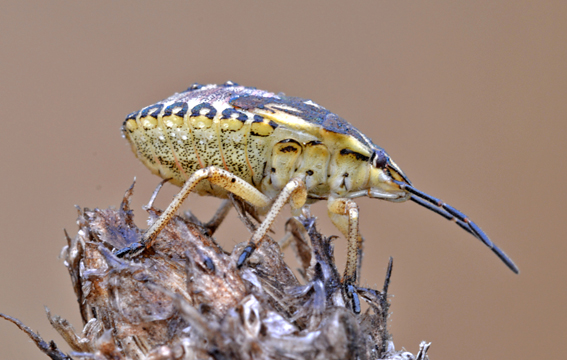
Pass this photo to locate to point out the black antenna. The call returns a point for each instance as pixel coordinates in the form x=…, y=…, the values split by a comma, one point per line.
x=450, y=213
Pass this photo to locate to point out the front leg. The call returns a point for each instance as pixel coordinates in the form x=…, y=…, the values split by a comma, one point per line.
x=344, y=214
x=215, y=176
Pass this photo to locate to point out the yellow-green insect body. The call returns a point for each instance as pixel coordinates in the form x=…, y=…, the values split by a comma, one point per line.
x=271, y=149
x=263, y=138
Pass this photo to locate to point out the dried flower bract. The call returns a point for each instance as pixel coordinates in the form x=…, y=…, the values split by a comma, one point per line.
x=186, y=299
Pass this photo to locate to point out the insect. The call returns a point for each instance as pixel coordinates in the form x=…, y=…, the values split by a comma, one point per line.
x=271, y=150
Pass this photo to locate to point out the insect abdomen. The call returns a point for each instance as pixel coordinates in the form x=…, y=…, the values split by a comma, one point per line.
x=175, y=146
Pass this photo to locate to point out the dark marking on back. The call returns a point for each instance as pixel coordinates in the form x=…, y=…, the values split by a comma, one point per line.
x=227, y=114
x=196, y=111
x=314, y=142
x=273, y=125
x=181, y=113
x=358, y=156
x=154, y=114
x=310, y=113
x=132, y=116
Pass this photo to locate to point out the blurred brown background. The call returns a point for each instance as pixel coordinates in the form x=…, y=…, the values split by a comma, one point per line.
x=469, y=98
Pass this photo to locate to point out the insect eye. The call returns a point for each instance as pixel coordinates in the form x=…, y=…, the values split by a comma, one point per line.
x=379, y=159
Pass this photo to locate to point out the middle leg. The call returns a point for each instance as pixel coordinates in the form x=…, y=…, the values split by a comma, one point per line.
x=296, y=193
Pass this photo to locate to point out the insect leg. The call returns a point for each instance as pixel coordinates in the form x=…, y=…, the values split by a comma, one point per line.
x=216, y=176
x=450, y=213
x=155, y=193
x=242, y=213
x=297, y=236
x=212, y=225
x=344, y=214
x=219, y=216
x=295, y=193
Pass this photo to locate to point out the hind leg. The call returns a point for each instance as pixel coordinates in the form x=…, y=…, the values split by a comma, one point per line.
x=215, y=176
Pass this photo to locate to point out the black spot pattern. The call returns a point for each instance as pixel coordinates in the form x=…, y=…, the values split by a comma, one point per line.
x=154, y=114
x=180, y=104
x=227, y=114
x=132, y=116
x=196, y=111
